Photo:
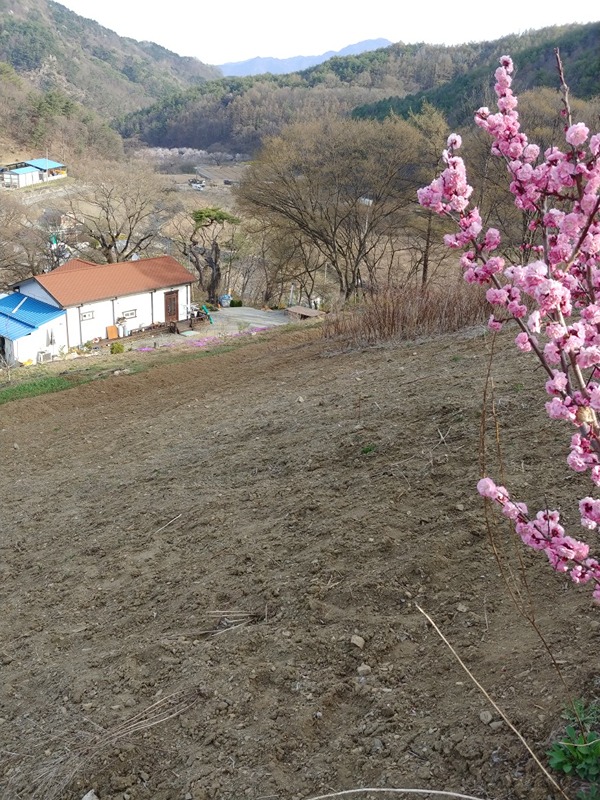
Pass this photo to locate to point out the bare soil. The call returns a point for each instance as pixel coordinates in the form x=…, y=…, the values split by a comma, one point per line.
x=198, y=544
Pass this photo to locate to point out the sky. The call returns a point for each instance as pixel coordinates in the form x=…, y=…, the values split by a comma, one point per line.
x=237, y=30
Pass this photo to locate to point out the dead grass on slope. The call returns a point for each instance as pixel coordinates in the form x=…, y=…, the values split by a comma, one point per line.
x=410, y=312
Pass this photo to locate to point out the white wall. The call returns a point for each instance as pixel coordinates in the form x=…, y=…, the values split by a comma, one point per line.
x=84, y=330
x=159, y=302
x=33, y=289
x=149, y=309
x=28, y=178
x=48, y=338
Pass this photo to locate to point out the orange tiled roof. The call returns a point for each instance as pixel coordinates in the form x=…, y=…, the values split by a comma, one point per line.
x=78, y=281
x=75, y=263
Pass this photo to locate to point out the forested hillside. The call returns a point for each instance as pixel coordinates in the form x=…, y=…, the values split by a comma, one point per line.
x=66, y=79
x=36, y=121
x=237, y=113
x=466, y=84
x=63, y=80
x=54, y=48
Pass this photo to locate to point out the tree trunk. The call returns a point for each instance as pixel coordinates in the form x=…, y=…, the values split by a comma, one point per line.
x=425, y=269
x=213, y=259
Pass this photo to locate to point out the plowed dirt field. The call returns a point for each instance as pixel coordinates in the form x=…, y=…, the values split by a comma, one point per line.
x=187, y=552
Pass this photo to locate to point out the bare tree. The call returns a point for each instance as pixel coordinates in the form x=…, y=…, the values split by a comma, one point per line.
x=26, y=246
x=199, y=236
x=121, y=211
x=11, y=223
x=345, y=186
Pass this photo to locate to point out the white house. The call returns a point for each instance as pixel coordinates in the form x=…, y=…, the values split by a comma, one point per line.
x=28, y=173
x=29, y=329
x=132, y=295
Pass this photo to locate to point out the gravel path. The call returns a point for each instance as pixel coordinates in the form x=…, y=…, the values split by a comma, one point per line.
x=226, y=322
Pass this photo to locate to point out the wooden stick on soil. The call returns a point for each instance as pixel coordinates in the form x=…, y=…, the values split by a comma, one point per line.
x=426, y=792
x=492, y=702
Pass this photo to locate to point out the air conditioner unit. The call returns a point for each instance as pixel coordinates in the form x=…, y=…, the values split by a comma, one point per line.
x=43, y=356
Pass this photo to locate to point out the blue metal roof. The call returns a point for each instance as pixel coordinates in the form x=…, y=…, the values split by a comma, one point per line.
x=20, y=315
x=23, y=170
x=44, y=163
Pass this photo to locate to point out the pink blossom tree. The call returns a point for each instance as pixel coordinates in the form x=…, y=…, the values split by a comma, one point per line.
x=552, y=295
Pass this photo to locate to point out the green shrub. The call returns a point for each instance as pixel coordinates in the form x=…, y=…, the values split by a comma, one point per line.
x=117, y=347
x=577, y=752
x=369, y=448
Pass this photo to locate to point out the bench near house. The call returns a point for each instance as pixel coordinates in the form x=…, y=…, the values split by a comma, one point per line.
x=28, y=173
x=79, y=300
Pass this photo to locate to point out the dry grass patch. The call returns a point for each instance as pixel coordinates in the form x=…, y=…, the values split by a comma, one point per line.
x=410, y=312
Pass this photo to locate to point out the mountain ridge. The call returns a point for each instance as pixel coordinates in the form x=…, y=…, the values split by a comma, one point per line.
x=236, y=113
x=260, y=65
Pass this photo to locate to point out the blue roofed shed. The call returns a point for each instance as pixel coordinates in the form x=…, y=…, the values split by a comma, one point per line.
x=28, y=173
x=45, y=164
x=30, y=330
x=23, y=170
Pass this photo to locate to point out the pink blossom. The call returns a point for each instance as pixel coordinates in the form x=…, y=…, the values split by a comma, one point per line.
x=496, y=296
x=487, y=488
x=531, y=152
x=518, y=310
x=558, y=384
x=492, y=239
x=514, y=511
x=560, y=409
x=577, y=134
x=552, y=353
x=595, y=397
x=534, y=322
x=523, y=342
x=590, y=512
x=559, y=190
x=588, y=357
x=576, y=461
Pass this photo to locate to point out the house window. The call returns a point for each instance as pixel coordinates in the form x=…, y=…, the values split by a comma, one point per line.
x=86, y=315
x=130, y=314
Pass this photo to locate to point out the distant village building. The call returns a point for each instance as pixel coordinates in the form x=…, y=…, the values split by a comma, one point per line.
x=28, y=173
x=77, y=302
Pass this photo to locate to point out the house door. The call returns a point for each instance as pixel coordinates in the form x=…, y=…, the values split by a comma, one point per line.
x=171, y=306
